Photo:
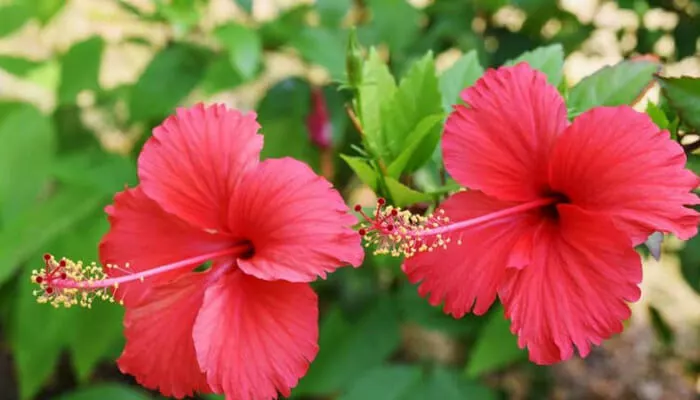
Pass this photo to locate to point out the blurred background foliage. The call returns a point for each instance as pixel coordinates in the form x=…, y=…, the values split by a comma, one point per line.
x=82, y=82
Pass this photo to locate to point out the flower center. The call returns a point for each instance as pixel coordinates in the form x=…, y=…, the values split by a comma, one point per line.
x=67, y=282
x=550, y=211
x=398, y=232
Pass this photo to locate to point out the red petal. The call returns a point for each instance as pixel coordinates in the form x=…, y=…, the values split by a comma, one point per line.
x=145, y=236
x=255, y=338
x=616, y=161
x=159, y=349
x=501, y=142
x=194, y=160
x=299, y=224
x=467, y=276
x=574, y=291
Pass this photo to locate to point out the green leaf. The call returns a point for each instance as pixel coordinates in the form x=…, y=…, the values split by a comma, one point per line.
x=548, y=59
x=458, y=77
x=657, y=115
x=31, y=230
x=220, y=76
x=96, y=170
x=693, y=163
x=496, y=348
x=690, y=262
x=408, y=382
x=38, y=333
x=394, y=22
x=281, y=30
x=182, y=14
x=615, y=85
x=447, y=384
x=45, y=10
x=391, y=382
x=13, y=17
x=332, y=12
x=95, y=334
x=282, y=115
x=413, y=152
x=345, y=353
x=80, y=69
x=170, y=76
x=377, y=89
x=403, y=195
x=417, y=310
x=246, y=5
x=18, y=66
x=683, y=95
x=363, y=170
x=663, y=331
x=417, y=97
x=106, y=391
x=324, y=47
x=46, y=75
x=24, y=131
x=72, y=134
x=244, y=48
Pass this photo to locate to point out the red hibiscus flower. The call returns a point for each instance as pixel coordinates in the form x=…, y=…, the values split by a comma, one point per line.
x=246, y=326
x=552, y=216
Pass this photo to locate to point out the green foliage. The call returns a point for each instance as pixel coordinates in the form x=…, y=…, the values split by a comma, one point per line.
x=690, y=263
x=378, y=87
x=616, y=85
x=106, y=392
x=496, y=347
x=348, y=349
x=23, y=130
x=29, y=231
x=412, y=383
x=283, y=122
x=18, y=66
x=171, y=75
x=461, y=75
x=244, y=48
x=684, y=96
x=403, y=115
x=549, y=60
x=13, y=17
x=80, y=69
x=310, y=39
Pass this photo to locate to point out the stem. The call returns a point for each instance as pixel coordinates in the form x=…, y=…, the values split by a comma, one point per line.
x=488, y=217
x=104, y=283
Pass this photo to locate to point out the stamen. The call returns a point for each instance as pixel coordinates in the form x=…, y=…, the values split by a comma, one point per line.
x=68, y=283
x=398, y=232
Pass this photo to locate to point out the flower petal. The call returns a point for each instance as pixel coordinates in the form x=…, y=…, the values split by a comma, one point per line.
x=616, y=161
x=159, y=349
x=298, y=224
x=144, y=236
x=574, y=291
x=466, y=276
x=195, y=159
x=500, y=143
x=255, y=338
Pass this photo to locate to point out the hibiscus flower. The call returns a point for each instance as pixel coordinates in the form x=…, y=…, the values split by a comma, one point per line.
x=552, y=216
x=246, y=326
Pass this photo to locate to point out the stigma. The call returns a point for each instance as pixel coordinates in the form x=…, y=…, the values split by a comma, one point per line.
x=398, y=232
x=69, y=283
